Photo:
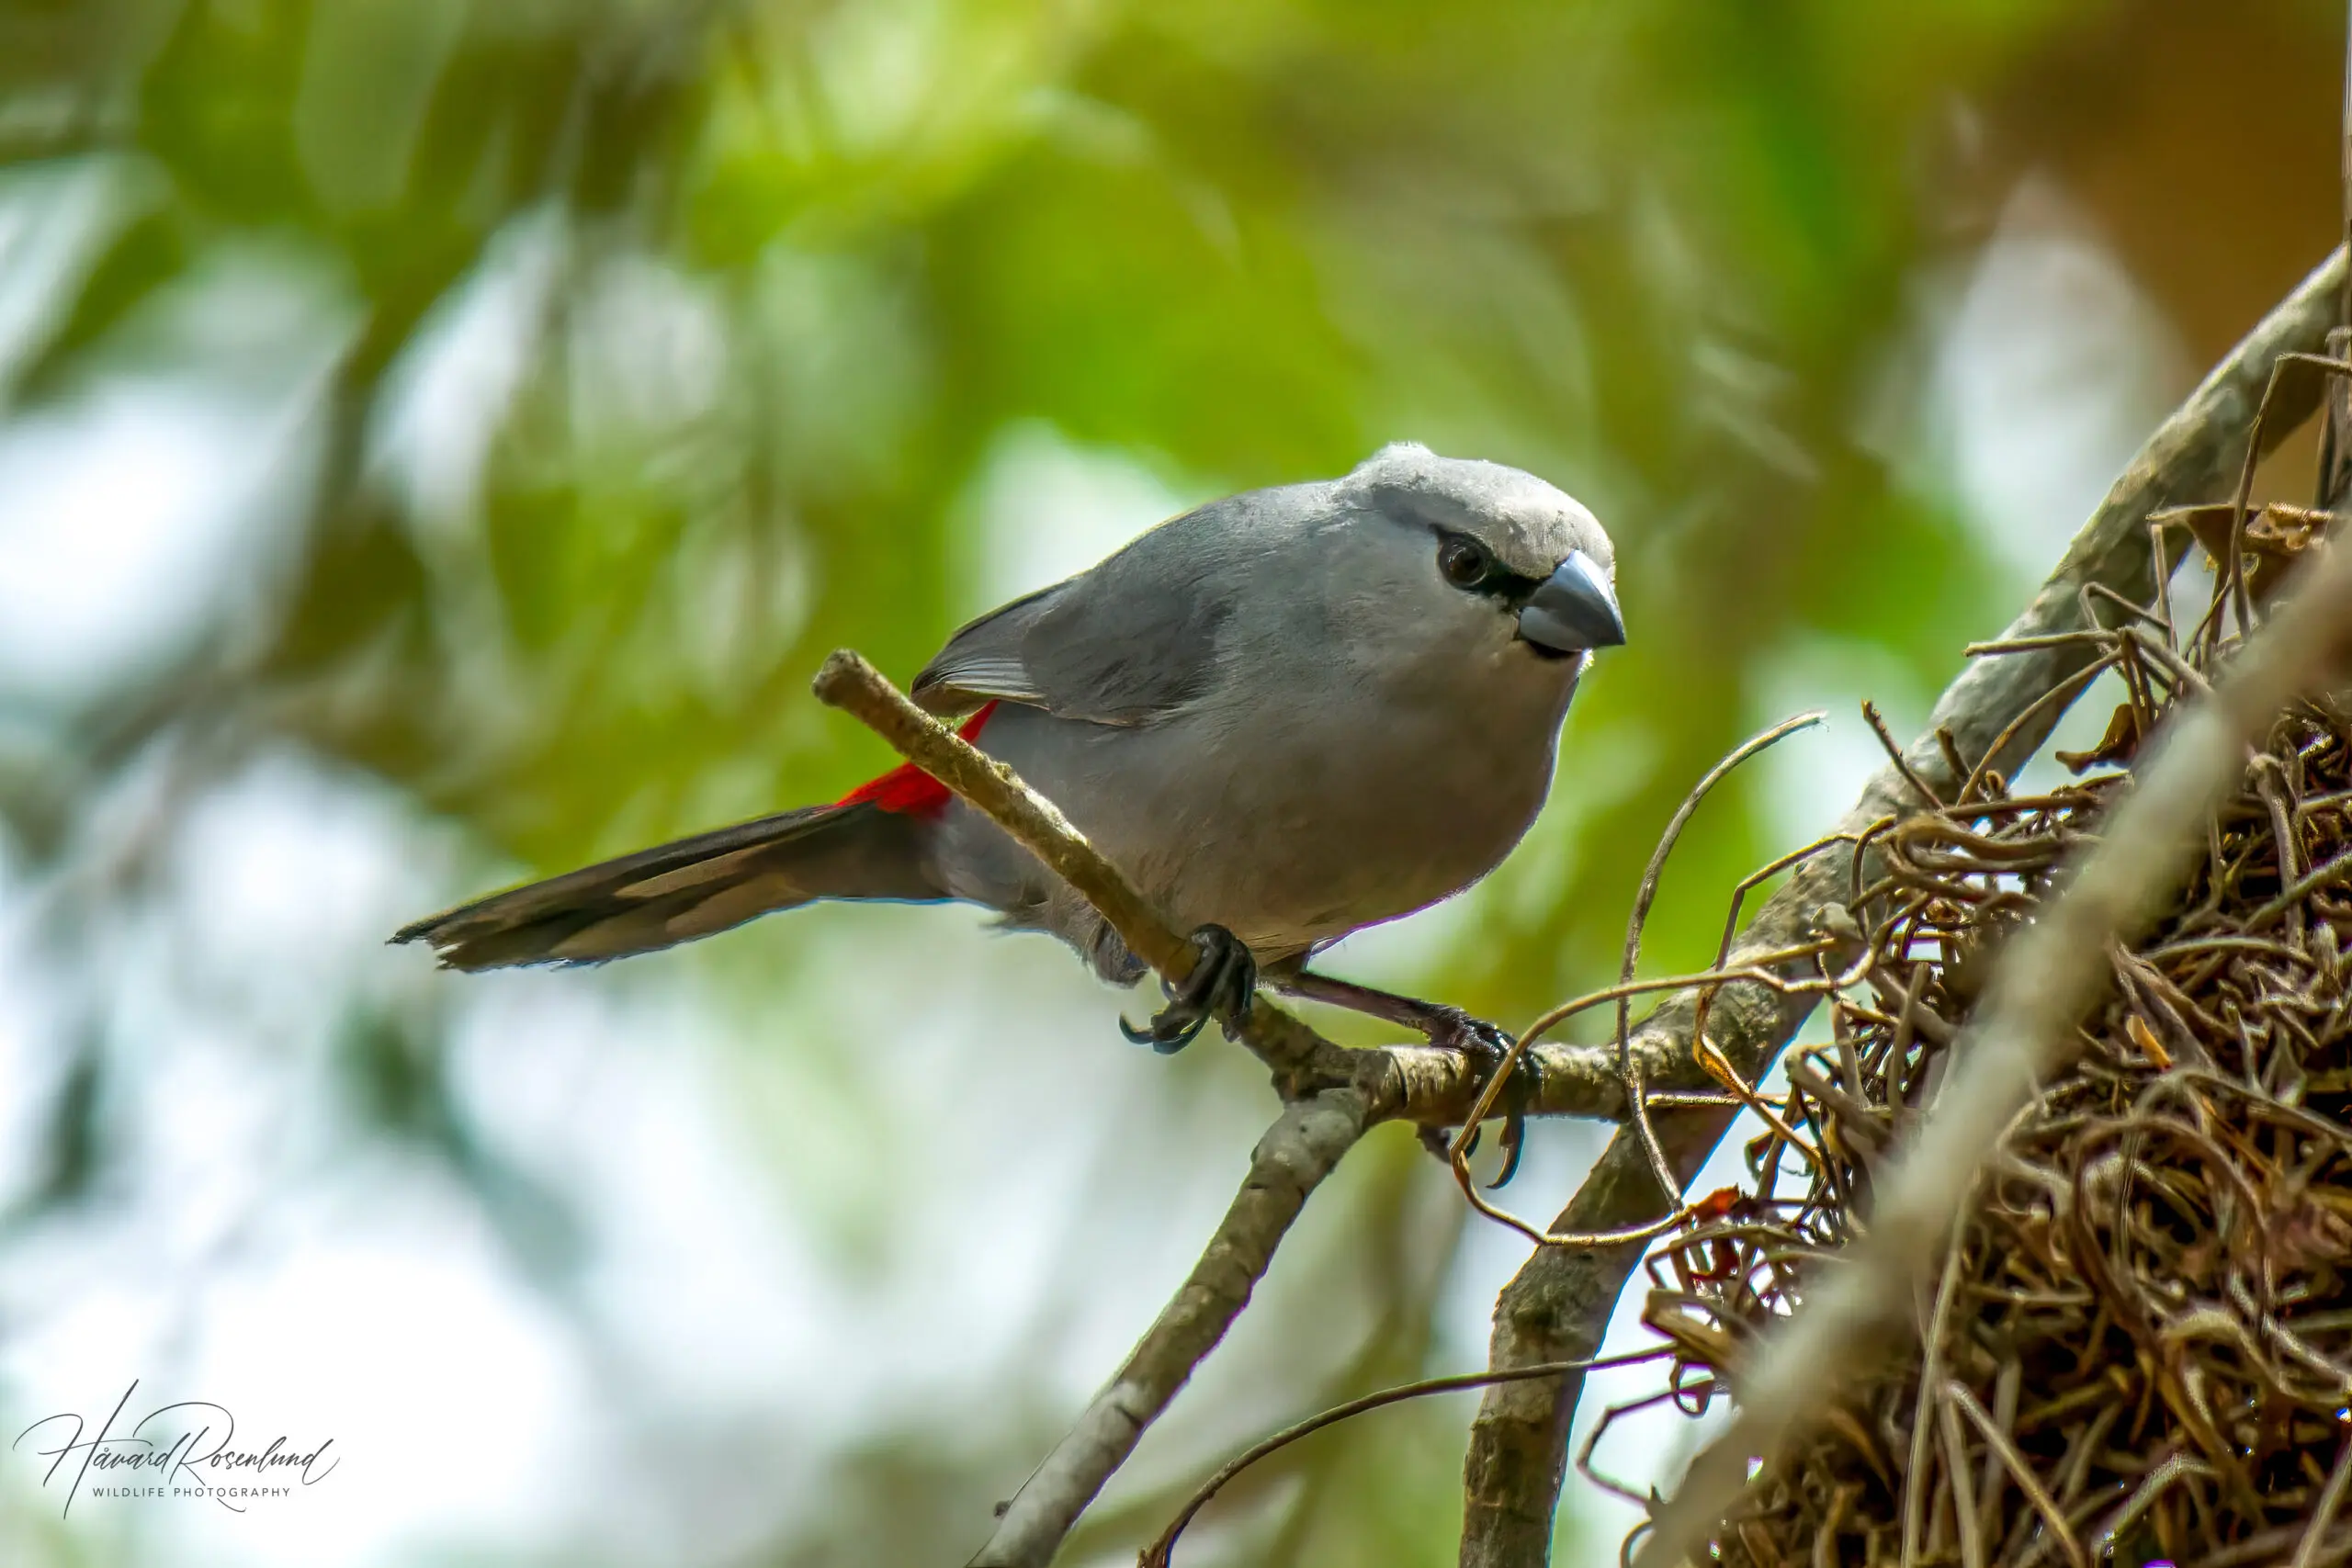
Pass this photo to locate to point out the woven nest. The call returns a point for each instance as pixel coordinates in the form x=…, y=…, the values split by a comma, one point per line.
x=2140, y=1345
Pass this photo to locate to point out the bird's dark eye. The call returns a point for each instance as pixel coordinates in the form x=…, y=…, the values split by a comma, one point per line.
x=1464, y=562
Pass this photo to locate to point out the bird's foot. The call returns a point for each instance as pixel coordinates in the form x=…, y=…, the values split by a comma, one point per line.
x=1486, y=1045
x=1219, y=987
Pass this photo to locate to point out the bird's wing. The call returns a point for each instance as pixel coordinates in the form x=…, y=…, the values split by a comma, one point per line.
x=1121, y=644
x=982, y=663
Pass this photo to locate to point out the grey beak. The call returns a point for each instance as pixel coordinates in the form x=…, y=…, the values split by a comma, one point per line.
x=1573, y=609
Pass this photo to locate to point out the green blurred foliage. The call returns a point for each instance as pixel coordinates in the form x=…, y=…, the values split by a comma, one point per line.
x=779, y=277
x=1649, y=254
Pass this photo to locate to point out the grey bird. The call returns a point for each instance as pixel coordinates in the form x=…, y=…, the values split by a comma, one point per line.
x=1286, y=716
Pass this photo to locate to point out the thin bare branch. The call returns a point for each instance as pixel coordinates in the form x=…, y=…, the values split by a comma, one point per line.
x=1295, y=1155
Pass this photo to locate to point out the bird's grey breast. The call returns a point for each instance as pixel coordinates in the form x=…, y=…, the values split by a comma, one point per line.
x=1345, y=798
x=1316, y=782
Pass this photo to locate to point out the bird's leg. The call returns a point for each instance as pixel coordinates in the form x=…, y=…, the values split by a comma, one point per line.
x=1484, y=1044
x=1219, y=987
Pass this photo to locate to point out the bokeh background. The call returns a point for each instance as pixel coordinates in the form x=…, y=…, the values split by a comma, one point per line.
x=440, y=438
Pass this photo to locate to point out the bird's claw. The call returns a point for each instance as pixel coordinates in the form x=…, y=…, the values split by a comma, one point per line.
x=1486, y=1045
x=1219, y=987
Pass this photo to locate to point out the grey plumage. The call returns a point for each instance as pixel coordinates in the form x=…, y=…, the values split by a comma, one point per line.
x=1126, y=642
x=1291, y=713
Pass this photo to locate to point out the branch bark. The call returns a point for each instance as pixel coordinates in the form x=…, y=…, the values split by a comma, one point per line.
x=1558, y=1307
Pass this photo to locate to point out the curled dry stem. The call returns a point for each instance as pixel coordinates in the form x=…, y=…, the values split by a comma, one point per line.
x=1648, y=894
x=2046, y=978
x=1997, y=710
x=1161, y=1551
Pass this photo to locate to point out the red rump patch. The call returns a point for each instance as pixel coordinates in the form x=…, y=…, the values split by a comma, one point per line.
x=906, y=788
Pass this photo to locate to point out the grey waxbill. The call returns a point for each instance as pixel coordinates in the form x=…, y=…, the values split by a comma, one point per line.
x=1286, y=716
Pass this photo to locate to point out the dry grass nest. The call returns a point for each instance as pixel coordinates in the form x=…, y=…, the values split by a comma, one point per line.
x=2139, y=1347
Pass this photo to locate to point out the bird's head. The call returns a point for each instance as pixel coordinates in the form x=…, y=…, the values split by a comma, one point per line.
x=1501, y=553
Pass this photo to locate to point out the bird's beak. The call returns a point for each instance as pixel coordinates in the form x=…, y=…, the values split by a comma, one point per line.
x=1573, y=609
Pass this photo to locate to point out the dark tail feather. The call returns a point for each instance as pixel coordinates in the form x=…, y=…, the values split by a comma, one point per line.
x=676, y=892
